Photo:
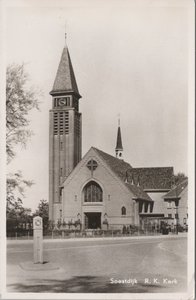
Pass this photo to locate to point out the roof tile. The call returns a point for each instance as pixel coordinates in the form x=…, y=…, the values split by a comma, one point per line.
x=151, y=178
x=138, y=192
x=120, y=167
x=139, y=179
x=177, y=190
x=65, y=80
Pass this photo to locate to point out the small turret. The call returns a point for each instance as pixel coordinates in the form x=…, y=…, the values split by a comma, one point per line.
x=119, y=147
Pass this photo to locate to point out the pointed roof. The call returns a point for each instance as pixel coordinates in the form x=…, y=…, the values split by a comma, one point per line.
x=119, y=140
x=176, y=191
x=120, y=167
x=149, y=178
x=117, y=165
x=156, y=178
x=65, y=80
x=139, y=193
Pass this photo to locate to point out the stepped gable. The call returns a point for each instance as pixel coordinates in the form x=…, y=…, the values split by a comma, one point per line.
x=176, y=191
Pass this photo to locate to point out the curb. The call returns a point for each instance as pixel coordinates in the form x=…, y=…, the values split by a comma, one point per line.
x=182, y=235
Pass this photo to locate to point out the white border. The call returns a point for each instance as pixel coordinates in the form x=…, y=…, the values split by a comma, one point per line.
x=191, y=154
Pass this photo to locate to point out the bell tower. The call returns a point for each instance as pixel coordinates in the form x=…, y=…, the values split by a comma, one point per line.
x=65, y=131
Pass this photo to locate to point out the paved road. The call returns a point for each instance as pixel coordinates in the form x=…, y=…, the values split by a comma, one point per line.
x=101, y=266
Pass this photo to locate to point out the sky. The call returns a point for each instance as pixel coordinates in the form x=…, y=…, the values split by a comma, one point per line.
x=129, y=58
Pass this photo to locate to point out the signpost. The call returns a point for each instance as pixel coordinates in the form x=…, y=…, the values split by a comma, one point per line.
x=38, y=240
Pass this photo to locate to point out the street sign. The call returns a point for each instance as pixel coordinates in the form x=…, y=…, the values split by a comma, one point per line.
x=38, y=240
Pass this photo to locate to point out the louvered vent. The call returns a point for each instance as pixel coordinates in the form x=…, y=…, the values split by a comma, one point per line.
x=61, y=123
x=77, y=124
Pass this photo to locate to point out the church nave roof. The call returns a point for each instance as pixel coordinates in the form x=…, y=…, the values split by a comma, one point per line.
x=120, y=167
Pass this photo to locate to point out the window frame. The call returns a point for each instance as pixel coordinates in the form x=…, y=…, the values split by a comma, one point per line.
x=92, y=191
x=123, y=211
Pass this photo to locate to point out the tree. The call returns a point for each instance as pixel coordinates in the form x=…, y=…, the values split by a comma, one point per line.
x=18, y=217
x=43, y=211
x=15, y=191
x=20, y=100
x=179, y=177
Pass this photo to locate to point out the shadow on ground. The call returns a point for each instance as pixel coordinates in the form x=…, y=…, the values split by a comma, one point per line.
x=86, y=284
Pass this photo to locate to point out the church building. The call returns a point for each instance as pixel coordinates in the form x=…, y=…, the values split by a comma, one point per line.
x=98, y=188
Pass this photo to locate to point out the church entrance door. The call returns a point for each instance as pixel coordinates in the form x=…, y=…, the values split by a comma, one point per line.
x=92, y=220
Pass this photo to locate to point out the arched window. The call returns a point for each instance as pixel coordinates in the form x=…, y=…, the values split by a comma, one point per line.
x=93, y=192
x=123, y=211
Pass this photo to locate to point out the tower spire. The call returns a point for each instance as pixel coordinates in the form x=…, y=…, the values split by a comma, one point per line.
x=65, y=81
x=119, y=147
x=65, y=142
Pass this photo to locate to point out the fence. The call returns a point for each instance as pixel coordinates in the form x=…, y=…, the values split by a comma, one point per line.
x=88, y=233
x=75, y=231
x=96, y=233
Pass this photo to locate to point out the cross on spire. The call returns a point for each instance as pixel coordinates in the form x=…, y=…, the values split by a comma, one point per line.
x=65, y=33
x=65, y=38
x=119, y=120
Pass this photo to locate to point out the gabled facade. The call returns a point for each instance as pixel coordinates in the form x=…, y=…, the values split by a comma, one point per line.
x=94, y=193
x=176, y=201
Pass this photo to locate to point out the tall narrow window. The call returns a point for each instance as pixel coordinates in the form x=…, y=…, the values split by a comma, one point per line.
x=151, y=207
x=61, y=191
x=169, y=205
x=140, y=207
x=123, y=211
x=146, y=207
